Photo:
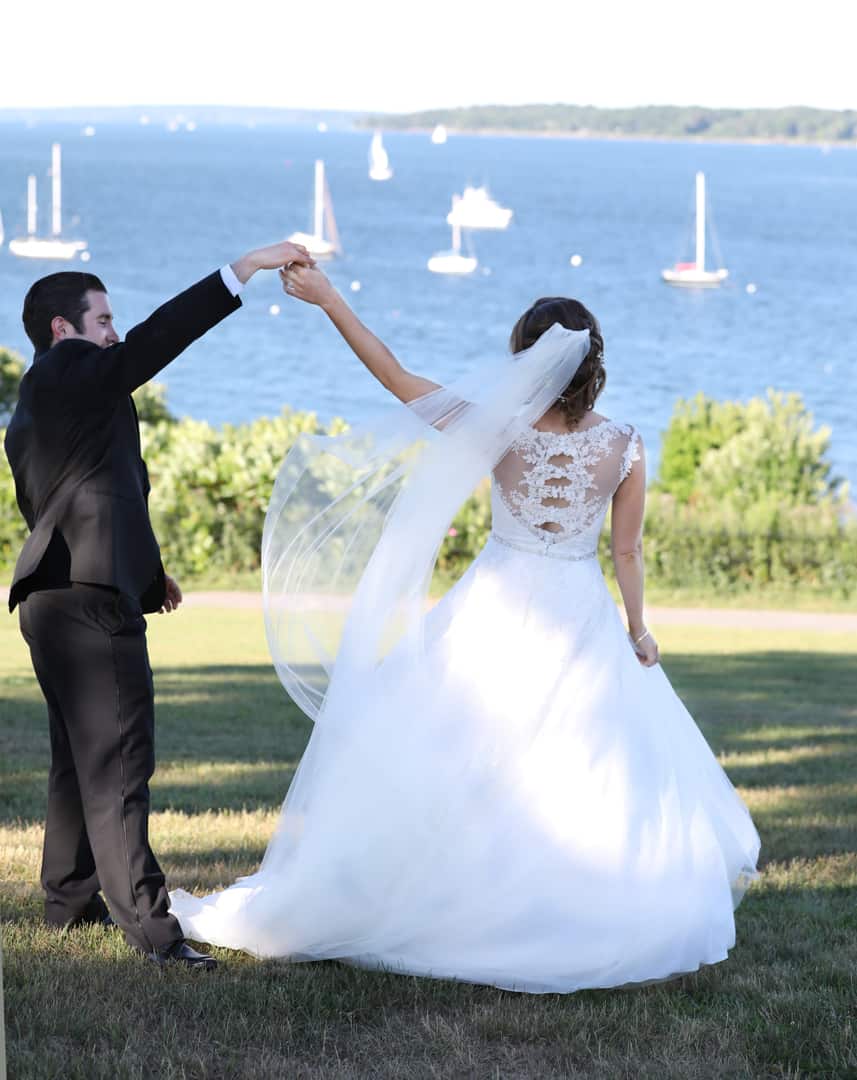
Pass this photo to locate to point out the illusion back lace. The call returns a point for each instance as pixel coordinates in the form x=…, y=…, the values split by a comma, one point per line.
x=551, y=491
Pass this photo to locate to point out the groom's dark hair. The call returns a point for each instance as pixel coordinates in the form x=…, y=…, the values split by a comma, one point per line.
x=57, y=294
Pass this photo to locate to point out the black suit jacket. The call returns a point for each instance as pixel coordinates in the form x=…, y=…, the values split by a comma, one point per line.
x=73, y=444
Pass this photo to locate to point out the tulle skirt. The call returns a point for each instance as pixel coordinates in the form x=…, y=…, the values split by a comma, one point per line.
x=526, y=806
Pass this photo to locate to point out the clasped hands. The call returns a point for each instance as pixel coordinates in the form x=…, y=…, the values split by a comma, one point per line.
x=298, y=272
x=272, y=257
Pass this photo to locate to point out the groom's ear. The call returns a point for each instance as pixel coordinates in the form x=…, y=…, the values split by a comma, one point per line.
x=61, y=328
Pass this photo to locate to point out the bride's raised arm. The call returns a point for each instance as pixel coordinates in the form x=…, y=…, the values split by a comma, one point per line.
x=313, y=287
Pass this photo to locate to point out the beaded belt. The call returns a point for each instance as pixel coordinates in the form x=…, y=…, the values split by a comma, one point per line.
x=546, y=550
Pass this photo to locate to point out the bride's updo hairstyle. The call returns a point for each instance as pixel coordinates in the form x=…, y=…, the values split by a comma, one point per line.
x=579, y=396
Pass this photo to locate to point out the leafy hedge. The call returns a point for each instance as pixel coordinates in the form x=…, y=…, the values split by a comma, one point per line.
x=745, y=500
x=813, y=550
x=11, y=370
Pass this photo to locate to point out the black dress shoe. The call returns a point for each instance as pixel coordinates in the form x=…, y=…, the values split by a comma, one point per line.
x=182, y=953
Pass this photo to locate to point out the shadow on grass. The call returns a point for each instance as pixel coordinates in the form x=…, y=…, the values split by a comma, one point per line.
x=233, y=715
x=24, y=794
x=738, y=694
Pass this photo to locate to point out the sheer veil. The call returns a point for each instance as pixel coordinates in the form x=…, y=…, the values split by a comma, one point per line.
x=355, y=521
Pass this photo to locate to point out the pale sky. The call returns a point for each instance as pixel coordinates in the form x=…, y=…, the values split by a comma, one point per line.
x=396, y=55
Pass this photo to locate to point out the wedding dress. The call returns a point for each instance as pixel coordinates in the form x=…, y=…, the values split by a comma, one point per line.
x=514, y=800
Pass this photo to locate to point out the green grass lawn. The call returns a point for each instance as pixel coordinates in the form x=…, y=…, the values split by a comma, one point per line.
x=779, y=708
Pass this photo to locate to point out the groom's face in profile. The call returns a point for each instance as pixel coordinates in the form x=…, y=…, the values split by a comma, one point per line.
x=96, y=322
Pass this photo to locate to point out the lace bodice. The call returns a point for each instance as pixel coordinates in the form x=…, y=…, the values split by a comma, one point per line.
x=551, y=491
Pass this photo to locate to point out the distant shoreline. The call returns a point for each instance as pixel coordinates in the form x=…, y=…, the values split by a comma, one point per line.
x=786, y=126
x=604, y=136
x=789, y=125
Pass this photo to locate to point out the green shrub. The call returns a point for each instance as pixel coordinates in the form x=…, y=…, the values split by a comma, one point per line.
x=13, y=529
x=210, y=487
x=738, y=455
x=748, y=504
x=11, y=370
x=467, y=534
x=697, y=426
x=151, y=402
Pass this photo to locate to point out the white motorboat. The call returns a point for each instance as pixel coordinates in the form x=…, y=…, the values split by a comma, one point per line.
x=476, y=209
x=379, y=162
x=438, y=135
x=693, y=274
x=323, y=241
x=452, y=261
x=54, y=246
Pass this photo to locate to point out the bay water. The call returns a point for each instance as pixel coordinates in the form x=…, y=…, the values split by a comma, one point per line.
x=162, y=208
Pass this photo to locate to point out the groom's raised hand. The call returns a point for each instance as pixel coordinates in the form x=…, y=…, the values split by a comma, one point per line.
x=271, y=257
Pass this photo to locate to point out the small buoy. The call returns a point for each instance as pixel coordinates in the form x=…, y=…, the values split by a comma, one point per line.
x=751, y=287
x=355, y=286
x=85, y=256
x=576, y=260
x=274, y=309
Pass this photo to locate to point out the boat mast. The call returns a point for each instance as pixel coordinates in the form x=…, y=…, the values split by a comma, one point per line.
x=700, y=221
x=31, y=205
x=456, y=228
x=318, y=205
x=56, y=190
x=330, y=228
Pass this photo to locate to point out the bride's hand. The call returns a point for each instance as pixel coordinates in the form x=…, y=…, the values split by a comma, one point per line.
x=646, y=649
x=307, y=284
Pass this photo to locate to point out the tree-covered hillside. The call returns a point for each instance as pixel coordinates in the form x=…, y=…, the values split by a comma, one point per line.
x=796, y=123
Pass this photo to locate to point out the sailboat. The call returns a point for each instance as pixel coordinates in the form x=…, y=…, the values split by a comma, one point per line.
x=323, y=241
x=693, y=274
x=453, y=262
x=32, y=246
x=379, y=163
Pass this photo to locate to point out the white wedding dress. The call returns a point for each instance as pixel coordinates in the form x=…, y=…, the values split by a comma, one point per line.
x=527, y=806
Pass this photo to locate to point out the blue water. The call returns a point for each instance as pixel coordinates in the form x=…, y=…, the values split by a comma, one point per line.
x=161, y=209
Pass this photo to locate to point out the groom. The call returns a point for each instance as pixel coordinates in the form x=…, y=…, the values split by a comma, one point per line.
x=88, y=571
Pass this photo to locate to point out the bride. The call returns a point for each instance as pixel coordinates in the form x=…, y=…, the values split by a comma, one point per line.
x=501, y=788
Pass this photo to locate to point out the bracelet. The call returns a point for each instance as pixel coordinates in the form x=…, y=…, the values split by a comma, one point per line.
x=641, y=637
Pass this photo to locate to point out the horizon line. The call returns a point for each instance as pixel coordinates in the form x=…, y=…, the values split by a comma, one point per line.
x=411, y=111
